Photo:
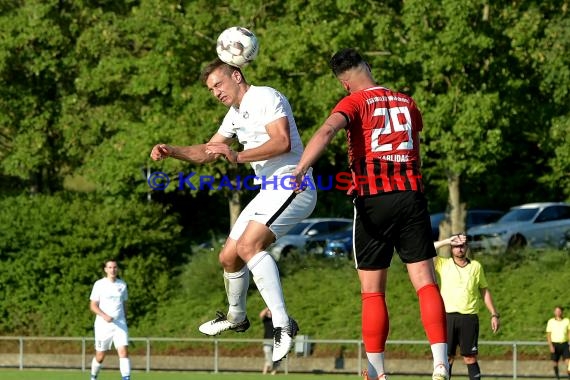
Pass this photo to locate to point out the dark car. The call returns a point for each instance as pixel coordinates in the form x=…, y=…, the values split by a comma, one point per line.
x=298, y=235
x=474, y=218
x=335, y=244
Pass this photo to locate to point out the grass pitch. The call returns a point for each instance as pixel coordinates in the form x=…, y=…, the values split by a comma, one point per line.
x=157, y=375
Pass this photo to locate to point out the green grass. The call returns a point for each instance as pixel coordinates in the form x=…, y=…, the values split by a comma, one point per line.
x=109, y=375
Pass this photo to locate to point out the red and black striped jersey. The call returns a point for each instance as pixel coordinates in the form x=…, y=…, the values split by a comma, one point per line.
x=383, y=141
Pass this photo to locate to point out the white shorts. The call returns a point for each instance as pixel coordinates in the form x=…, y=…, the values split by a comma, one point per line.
x=116, y=333
x=279, y=209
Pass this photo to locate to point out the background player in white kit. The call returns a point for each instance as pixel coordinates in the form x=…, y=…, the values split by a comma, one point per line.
x=108, y=303
x=262, y=121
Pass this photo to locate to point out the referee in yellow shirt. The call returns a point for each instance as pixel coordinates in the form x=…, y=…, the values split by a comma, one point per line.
x=558, y=335
x=463, y=286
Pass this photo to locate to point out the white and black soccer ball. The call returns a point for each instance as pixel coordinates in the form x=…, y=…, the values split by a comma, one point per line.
x=237, y=46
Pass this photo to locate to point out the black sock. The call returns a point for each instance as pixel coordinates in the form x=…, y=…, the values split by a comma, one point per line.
x=556, y=373
x=450, y=367
x=474, y=371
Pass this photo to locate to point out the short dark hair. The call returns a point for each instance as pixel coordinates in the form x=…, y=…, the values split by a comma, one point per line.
x=109, y=261
x=344, y=60
x=214, y=65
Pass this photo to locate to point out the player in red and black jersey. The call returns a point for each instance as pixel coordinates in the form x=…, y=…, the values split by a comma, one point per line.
x=382, y=128
x=383, y=138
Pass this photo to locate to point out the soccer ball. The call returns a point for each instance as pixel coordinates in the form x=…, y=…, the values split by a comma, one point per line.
x=237, y=46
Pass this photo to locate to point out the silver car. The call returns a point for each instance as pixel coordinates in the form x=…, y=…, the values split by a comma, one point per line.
x=298, y=235
x=536, y=225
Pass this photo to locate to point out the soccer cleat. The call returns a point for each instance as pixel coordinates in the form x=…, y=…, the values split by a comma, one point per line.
x=440, y=372
x=221, y=324
x=283, y=339
x=93, y=377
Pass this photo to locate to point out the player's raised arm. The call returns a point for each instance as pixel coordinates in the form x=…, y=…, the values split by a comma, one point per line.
x=279, y=142
x=317, y=144
x=197, y=154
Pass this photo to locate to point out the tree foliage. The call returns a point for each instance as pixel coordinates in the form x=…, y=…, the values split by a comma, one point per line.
x=53, y=248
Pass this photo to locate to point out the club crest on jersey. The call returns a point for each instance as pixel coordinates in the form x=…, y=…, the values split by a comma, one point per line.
x=245, y=115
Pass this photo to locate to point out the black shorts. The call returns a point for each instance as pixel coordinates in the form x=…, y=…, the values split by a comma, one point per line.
x=391, y=221
x=462, y=331
x=561, y=350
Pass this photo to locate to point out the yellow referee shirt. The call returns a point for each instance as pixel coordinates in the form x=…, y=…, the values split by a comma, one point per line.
x=460, y=286
x=558, y=330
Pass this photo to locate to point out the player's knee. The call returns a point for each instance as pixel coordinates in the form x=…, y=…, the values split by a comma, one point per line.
x=228, y=258
x=471, y=359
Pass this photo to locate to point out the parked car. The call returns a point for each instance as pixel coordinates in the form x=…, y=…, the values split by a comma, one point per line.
x=298, y=235
x=474, y=218
x=335, y=244
x=536, y=225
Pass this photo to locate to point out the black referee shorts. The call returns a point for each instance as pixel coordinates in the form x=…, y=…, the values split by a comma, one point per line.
x=462, y=331
x=561, y=350
x=392, y=221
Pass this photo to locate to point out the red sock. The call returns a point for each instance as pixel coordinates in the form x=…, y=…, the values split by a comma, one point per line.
x=375, y=323
x=432, y=311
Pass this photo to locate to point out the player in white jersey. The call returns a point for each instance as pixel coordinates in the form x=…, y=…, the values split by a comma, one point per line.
x=261, y=119
x=108, y=299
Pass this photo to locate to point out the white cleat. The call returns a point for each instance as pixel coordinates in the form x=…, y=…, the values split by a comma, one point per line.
x=440, y=372
x=221, y=324
x=283, y=340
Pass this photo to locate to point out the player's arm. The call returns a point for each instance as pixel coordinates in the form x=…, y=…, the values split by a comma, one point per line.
x=192, y=153
x=549, y=340
x=279, y=142
x=318, y=143
x=488, y=300
x=94, y=306
x=263, y=313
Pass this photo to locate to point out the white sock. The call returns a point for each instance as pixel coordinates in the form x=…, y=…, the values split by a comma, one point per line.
x=95, y=367
x=266, y=277
x=125, y=366
x=375, y=364
x=439, y=352
x=237, y=284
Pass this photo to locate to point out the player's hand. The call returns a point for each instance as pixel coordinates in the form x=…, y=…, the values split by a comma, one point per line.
x=495, y=324
x=297, y=182
x=160, y=152
x=220, y=149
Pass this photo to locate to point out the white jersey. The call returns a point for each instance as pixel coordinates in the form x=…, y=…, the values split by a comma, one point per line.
x=111, y=296
x=259, y=107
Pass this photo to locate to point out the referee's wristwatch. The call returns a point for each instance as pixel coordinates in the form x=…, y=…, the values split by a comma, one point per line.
x=496, y=316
